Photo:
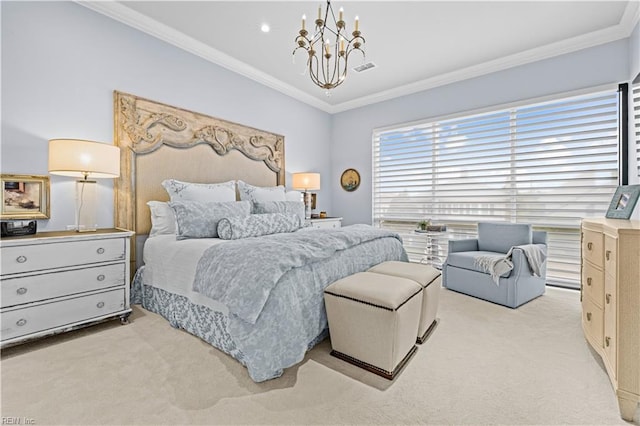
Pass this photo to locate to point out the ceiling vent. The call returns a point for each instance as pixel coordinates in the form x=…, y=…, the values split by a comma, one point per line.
x=364, y=67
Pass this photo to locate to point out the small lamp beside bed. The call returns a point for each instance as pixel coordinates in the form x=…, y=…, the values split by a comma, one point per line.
x=86, y=160
x=306, y=182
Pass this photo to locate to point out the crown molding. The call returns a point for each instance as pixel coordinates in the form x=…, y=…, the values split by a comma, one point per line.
x=134, y=19
x=631, y=17
x=163, y=32
x=624, y=29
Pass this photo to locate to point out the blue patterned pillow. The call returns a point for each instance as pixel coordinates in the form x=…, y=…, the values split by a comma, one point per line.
x=286, y=207
x=200, y=220
x=256, y=225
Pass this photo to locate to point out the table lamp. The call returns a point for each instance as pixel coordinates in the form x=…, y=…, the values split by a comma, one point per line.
x=86, y=160
x=306, y=182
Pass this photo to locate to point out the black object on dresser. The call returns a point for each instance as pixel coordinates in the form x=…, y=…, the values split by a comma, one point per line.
x=14, y=228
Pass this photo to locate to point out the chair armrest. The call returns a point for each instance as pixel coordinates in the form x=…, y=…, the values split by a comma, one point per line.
x=521, y=264
x=539, y=237
x=463, y=245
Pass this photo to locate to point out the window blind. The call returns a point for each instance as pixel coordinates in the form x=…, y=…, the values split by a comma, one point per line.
x=636, y=120
x=547, y=164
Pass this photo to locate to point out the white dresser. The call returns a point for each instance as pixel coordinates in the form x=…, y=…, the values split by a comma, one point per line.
x=610, y=293
x=53, y=282
x=326, y=222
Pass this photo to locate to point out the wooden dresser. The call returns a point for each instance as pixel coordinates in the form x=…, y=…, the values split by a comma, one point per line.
x=53, y=282
x=610, y=294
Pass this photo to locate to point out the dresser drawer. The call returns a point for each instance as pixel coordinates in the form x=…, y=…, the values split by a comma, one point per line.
x=33, y=288
x=593, y=283
x=20, y=322
x=56, y=255
x=592, y=321
x=592, y=247
x=610, y=255
x=326, y=225
x=610, y=341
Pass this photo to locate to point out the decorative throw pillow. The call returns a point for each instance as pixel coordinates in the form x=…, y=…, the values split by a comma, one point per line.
x=200, y=220
x=256, y=225
x=260, y=193
x=163, y=219
x=293, y=196
x=286, y=207
x=203, y=192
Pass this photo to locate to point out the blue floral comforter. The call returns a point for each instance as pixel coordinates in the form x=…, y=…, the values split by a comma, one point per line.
x=273, y=287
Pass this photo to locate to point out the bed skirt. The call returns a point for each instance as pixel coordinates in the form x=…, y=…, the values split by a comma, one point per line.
x=201, y=321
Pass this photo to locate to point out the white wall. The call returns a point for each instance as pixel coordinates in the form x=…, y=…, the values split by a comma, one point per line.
x=634, y=70
x=634, y=52
x=352, y=130
x=61, y=63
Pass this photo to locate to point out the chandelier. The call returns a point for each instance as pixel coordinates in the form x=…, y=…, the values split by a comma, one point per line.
x=329, y=47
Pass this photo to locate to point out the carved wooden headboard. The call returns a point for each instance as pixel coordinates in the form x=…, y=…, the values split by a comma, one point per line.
x=159, y=142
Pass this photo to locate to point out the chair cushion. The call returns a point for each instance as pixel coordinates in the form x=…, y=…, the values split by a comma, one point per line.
x=500, y=237
x=466, y=260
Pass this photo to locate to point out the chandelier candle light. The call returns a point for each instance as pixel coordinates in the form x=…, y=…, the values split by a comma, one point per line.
x=329, y=47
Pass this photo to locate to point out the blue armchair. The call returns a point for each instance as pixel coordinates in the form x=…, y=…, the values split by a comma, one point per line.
x=461, y=273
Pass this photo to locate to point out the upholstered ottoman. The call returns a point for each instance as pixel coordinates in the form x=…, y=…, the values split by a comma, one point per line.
x=373, y=320
x=429, y=278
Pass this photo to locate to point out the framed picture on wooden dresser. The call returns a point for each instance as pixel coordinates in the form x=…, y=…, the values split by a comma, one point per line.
x=610, y=294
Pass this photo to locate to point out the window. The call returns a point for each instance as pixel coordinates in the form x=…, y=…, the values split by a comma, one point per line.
x=547, y=164
x=636, y=120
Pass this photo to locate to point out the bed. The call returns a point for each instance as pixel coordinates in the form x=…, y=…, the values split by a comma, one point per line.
x=266, y=325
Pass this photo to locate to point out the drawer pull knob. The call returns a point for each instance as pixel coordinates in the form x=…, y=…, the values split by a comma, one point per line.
x=588, y=316
x=100, y=305
x=607, y=341
x=21, y=259
x=21, y=322
x=589, y=280
x=101, y=277
x=100, y=250
x=608, y=297
x=21, y=290
x=608, y=254
x=589, y=246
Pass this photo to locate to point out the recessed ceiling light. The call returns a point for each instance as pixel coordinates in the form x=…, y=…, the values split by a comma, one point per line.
x=265, y=28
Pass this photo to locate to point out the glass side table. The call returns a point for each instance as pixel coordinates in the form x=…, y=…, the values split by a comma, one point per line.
x=436, y=246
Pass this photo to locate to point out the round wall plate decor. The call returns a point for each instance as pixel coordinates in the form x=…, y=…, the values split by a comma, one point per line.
x=350, y=180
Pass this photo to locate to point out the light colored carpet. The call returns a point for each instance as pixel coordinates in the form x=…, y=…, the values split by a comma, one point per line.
x=484, y=364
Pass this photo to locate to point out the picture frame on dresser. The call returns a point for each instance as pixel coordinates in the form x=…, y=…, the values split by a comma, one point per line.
x=623, y=202
x=24, y=196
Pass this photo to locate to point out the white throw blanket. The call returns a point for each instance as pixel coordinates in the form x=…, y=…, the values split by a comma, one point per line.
x=496, y=266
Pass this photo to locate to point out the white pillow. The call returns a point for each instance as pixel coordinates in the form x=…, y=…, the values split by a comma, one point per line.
x=293, y=196
x=260, y=193
x=163, y=219
x=203, y=192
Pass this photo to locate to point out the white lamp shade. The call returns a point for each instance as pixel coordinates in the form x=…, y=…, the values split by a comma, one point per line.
x=306, y=181
x=80, y=158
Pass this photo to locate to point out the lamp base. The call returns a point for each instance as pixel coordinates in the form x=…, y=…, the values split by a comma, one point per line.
x=307, y=205
x=86, y=200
